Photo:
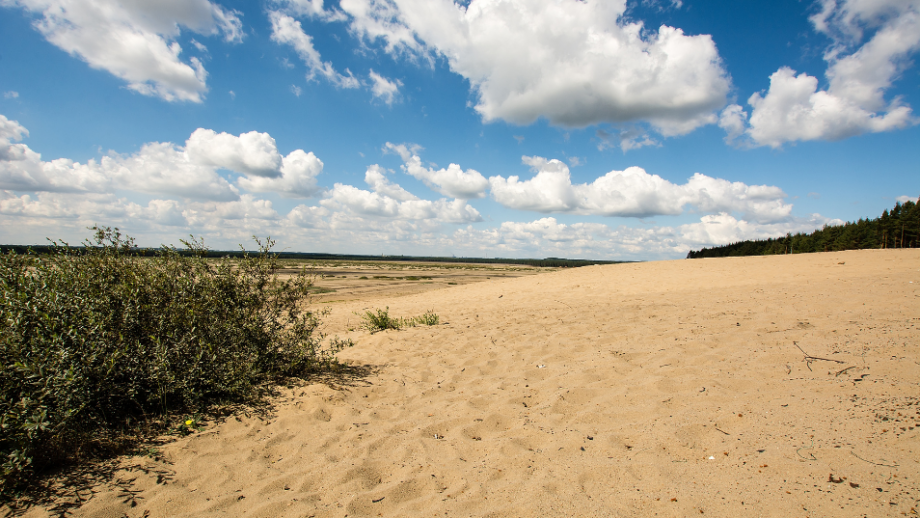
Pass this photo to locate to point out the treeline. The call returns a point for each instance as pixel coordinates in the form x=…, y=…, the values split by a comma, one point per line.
x=897, y=228
x=549, y=262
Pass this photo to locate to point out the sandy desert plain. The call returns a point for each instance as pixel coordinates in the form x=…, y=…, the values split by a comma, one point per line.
x=758, y=386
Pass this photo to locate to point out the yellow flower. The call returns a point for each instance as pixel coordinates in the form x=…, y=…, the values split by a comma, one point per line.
x=189, y=422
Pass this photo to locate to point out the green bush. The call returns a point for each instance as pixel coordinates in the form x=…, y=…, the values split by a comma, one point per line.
x=380, y=321
x=95, y=340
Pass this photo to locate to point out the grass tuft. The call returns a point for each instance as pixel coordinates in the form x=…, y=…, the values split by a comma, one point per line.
x=380, y=320
x=429, y=318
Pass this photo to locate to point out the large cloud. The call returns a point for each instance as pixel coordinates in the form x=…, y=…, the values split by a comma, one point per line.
x=575, y=63
x=795, y=108
x=135, y=40
x=164, y=167
x=634, y=193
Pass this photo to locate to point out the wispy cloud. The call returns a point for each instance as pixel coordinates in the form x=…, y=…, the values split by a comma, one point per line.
x=288, y=31
x=383, y=88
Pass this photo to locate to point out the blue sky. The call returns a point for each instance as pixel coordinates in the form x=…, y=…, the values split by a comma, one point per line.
x=491, y=128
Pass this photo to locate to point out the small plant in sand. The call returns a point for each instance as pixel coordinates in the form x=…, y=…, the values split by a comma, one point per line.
x=98, y=343
x=429, y=318
x=380, y=320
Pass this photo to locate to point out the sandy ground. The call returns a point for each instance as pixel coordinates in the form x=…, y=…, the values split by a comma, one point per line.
x=674, y=388
x=371, y=280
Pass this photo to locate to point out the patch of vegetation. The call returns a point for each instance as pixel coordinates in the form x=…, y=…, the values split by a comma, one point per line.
x=363, y=277
x=318, y=289
x=380, y=320
x=429, y=318
x=97, y=342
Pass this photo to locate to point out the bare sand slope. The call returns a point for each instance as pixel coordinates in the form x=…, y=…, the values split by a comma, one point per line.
x=659, y=389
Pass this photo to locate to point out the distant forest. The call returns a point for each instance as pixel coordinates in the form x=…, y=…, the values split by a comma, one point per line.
x=549, y=262
x=897, y=228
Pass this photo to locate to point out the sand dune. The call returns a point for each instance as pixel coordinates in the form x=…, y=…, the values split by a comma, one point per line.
x=671, y=388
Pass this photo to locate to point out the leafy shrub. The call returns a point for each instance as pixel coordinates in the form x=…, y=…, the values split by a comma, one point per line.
x=96, y=339
x=380, y=321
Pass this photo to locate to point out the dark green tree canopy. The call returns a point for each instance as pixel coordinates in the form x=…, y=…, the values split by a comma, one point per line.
x=897, y=228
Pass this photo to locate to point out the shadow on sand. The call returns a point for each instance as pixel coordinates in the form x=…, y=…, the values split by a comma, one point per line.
x=62, y=489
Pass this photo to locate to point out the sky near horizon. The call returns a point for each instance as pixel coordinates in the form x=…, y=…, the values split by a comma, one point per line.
x=613, y=129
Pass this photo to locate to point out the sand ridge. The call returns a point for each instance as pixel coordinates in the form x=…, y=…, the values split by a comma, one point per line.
x=671, y=388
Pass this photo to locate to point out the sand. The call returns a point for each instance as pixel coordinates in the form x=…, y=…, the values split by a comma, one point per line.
x=673, y=388
x=350, y=281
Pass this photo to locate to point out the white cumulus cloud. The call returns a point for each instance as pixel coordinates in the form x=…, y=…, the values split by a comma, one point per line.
x=453, y=181
x=633, y=193
x=575, y=63
x=251, y=153
x=795, y=108
x=295, y=179
x=376, y=179
x=135, y=40
x=390, y=201
x=88, y=209
x=188, y=171
x=723, y=229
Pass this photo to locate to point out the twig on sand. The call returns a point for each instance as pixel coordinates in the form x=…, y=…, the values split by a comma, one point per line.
x=875, y=463
x=723, y=431
x=844, y=370
x=811, y=456
x=563, y=303
x=809, y=358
